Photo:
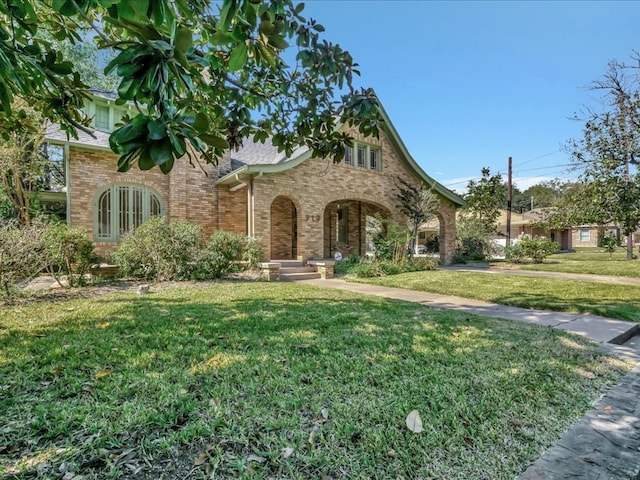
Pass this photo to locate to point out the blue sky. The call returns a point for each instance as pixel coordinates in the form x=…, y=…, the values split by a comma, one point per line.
x=468, y=84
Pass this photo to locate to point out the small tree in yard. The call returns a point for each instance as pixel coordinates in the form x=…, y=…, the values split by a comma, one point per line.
x=23, y=166
x=478, y=221
x=610, y=243
x=419, y=204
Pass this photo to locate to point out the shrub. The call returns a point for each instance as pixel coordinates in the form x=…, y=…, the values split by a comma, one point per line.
x=530, y=249
x=610, y=242
x=225, y=253
x=21, y=254
x=421, y=264
x=366, y=268
x=389, y=240
x=68, y=251
x=158, y=250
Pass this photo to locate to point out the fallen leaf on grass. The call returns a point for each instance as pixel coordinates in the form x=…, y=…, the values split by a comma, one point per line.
x=201, y=458
x=57, y=369
x=325, y=414
x=104, y=325
x=414, y=422
x=304, y=346
x=256, y=458
x=287, y=452
x=103, y=373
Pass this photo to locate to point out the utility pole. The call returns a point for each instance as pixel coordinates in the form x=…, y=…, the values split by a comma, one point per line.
x=509, y=205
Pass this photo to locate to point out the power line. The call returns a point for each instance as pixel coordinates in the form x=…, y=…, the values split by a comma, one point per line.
x=537, y=158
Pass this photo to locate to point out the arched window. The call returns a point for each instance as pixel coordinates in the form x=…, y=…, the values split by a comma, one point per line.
x=120, y=208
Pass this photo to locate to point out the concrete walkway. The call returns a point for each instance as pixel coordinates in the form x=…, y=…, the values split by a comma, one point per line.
x=605, y=443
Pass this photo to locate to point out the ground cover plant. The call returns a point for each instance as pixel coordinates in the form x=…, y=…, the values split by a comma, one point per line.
x=609, y=300
x=257, y=380
x=595, y=261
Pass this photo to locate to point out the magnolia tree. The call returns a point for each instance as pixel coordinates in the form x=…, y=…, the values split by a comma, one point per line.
x=203, y=76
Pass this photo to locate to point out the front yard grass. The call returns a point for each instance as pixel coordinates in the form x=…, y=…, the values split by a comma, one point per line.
x=609, y=300
x=593, y=261
x=281, y=381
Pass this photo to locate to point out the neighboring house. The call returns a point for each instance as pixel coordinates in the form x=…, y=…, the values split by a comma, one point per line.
x=528, y=223
x=299, y=207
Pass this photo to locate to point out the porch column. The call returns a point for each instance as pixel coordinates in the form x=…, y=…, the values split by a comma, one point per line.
x=447, y=217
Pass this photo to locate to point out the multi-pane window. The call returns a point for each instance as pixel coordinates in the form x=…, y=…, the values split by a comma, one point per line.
x=101, y=118
x=585, y=235
x=342, y=225
x=54, y=167
x=122, y=208
x=363, y=156
x=348, y=156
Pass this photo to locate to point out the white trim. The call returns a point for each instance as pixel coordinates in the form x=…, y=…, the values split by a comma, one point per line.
x=115, y=209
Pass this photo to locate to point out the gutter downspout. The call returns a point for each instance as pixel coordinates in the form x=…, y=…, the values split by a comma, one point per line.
x=67, y=181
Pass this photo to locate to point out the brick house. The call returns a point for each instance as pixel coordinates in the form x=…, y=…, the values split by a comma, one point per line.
x=299, y=207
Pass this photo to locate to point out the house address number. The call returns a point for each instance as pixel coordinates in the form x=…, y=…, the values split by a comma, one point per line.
x=313, y=218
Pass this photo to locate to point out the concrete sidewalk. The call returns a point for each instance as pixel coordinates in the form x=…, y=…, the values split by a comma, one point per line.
x=605, y=442
x=600, y=329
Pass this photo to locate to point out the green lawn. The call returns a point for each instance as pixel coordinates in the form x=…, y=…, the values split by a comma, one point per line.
x=593, y=261
x=609, y=300
x=240, y=380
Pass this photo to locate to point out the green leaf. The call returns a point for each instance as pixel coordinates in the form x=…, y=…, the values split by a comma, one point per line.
x=183, y=40
x=214, y=141
x=145, y=162
x=278, y=42
x=161, y=152
x=157, y=130
x=238, y=57
x=167, y=166
x=299, y=8
x=201, y=122
x=62, y=68
x=64, y=7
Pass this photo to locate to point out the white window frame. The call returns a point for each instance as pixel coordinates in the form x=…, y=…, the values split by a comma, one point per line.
x=109, y=229
x=588, y=235
x=363, y=155
x=106, y=127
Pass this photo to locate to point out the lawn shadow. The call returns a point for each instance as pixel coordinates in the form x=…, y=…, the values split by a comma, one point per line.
x=179, y=356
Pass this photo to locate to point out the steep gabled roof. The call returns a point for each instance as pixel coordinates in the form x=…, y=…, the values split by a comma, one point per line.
x=256, y=158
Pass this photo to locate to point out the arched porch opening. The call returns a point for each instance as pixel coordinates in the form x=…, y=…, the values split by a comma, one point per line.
x=349, y=226
x=284, y=229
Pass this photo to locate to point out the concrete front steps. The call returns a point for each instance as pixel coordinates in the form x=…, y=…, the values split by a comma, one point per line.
x=293, y=270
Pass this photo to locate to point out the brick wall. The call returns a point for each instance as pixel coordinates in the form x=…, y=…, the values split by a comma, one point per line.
x=316, y=183
x=315, y=187
x=187, y=193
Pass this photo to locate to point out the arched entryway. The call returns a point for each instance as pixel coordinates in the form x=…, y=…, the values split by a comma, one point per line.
x=284, y=229
x=349, y=225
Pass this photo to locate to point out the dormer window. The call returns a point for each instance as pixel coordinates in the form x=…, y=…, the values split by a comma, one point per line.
x=101, y=118
x=363, y=155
